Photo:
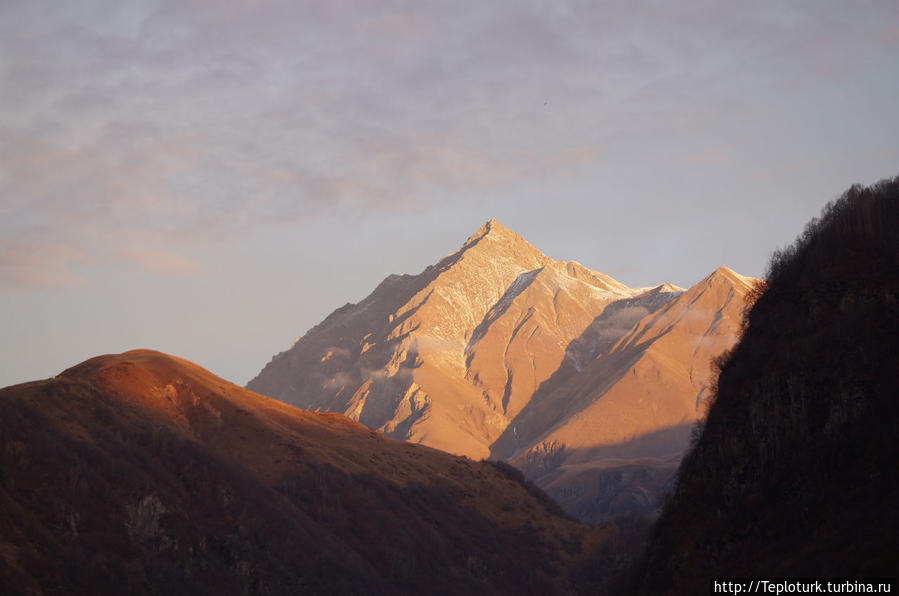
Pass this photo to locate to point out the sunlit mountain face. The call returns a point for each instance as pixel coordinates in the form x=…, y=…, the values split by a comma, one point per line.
x=498, y=351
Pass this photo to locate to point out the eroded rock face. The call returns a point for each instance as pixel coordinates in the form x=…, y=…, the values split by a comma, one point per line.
x=498, y=350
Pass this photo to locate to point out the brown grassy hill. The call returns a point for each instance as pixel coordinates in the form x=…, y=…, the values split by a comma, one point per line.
x=796, y=473
x=143, y=473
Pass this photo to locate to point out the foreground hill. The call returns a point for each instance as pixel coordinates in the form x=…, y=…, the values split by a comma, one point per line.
x=500, y=351
x=796, y=473
x=143, y=473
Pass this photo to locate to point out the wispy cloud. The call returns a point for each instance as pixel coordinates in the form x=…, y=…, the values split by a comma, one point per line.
x=214, y=118
x=36, y=265
x=160, y=261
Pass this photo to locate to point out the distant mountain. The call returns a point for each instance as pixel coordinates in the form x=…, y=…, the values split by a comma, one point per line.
x=500, y=351
x=609, y=438
x=796, y=473
x=141, y=473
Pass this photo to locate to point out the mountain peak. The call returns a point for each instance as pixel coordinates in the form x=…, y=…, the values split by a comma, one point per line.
x=495, y=241
x=725, y=273
x=724, y=270
x=497, y=349
x=663, y=288
x=492, y=224
x=668, y=287
x=494, y=229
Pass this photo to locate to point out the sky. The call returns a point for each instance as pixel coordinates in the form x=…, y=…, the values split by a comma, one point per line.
x=211, y=178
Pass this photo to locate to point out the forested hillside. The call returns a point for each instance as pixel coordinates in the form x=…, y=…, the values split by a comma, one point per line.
x=795, y=472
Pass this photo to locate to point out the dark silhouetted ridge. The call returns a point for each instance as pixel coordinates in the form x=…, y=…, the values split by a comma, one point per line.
x=795, y=472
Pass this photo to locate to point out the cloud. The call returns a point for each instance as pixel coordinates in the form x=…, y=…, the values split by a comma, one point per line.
x=402, y=373
x=200, y=116
x=335, y=352
x=340, y=379
x=214, y=119
x=43, y=266
x=161, y=261
x=572, y=158
x=890, y=35
x=425, y=345
x=621, y=321
x=709, y=157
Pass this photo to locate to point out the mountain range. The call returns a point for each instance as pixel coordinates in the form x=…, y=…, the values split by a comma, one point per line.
x=498, y=351
x=142, y=473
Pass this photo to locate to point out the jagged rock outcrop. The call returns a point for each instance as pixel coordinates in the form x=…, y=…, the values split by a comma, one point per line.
x=500, y=351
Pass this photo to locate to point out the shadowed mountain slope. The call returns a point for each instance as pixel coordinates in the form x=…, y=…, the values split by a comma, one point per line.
x=795, y=473
x=500, y=351
x=143, y=473
x=609, y=439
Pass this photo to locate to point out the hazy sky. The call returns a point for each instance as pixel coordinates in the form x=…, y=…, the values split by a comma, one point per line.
x=211, y=178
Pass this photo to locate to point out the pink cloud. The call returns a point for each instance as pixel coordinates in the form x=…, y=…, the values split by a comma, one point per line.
x=890, y=35
x=402, y=24
x=572, y=158
x=41, y=265
x=159, y=261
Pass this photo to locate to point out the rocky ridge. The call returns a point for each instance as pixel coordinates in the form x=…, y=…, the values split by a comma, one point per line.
x=500, y=351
